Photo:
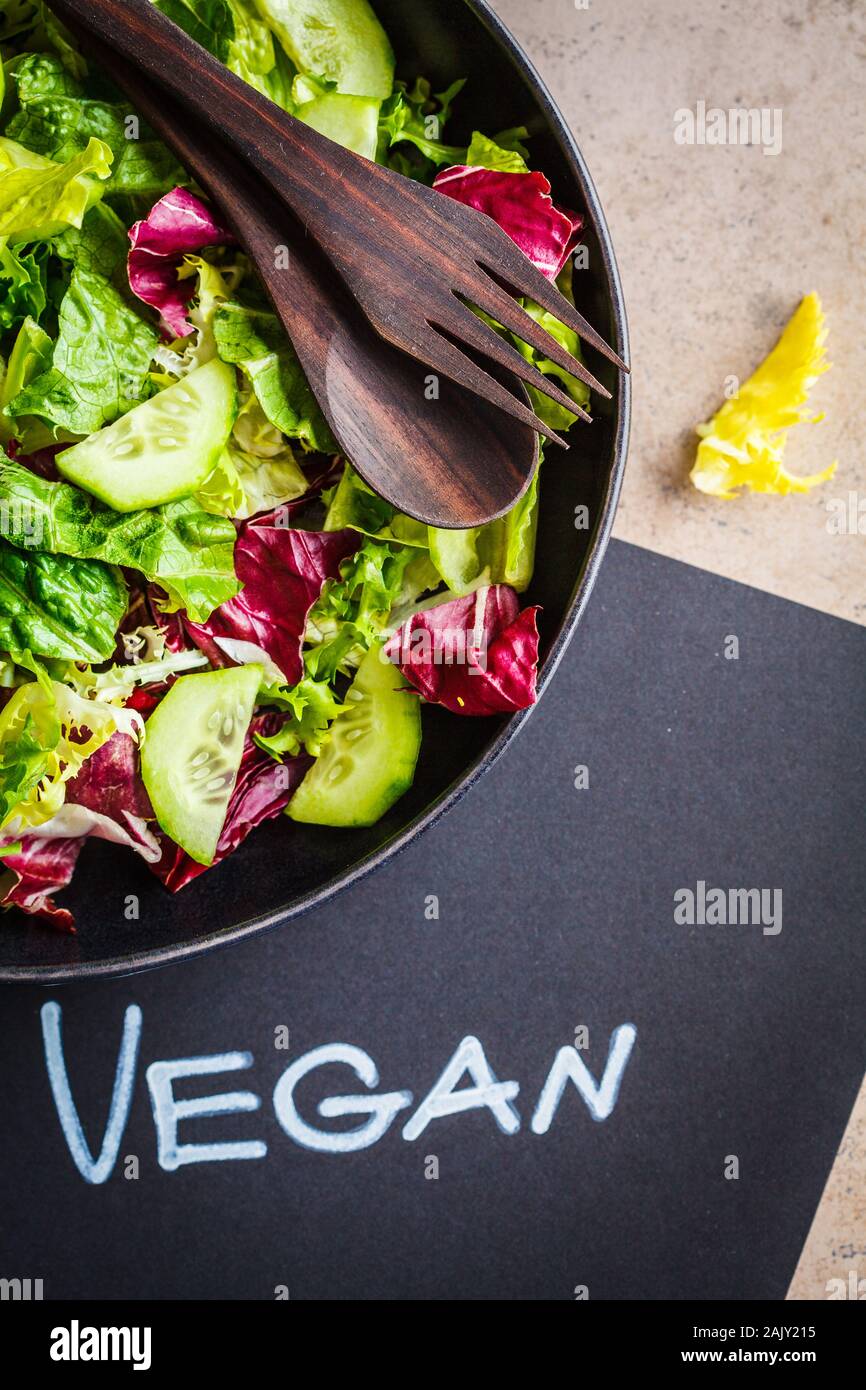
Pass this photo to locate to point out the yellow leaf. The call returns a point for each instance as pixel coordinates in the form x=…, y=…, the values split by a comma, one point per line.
x=743, y=445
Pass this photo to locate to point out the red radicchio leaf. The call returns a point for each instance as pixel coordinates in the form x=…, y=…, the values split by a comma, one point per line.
x=110, y=783
x=178, y=224
x=41, y=462
x=40, y=868
x=283, y=571
x=523, y=207
x=179, y=637
x=171, y=624
x=321, y=473
x=144, y=611
x=476, y=655
x=145, y=698
x=263, y=789
x=105, y=801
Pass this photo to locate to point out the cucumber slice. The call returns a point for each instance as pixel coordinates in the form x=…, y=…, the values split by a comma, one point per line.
x=194, y=741
x=341, y=41
x=161, y=450
x=455, y=555
x=369, y=759
x=349, y=121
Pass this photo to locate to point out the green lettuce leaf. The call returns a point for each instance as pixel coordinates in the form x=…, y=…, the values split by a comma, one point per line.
x=505, y=153
x=10, y=674
x=22, y=285
x=503, y=552
x=549, y=411
x=353, y=612
x=372, y=583
x=39, y=198
x=61, y=127
x=47, y=732
x=254, y=340
x=56, y=606
x=29, y=734
x=38, y=75
x=507, y=546
x=30, y=356
x=243, y=485
x=234, y=32
x=116, y=684
x=553, y=414
x=414, y=116
x=189, y=553
x=56, y=119
x=313, y=706
x=17, y=17
x=100, y=244
x=100, y=363
x=352, y=503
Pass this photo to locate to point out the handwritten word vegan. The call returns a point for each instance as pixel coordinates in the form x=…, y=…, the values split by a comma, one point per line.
x=375, y=1109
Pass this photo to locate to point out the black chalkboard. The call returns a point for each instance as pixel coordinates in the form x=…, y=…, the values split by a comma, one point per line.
x=556, y=912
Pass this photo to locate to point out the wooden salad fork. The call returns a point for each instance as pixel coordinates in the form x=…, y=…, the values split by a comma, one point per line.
x=413, y=259
x=372, y=395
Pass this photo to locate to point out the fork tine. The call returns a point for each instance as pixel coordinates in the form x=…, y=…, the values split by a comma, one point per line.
x=444, y=356
x=545, y=293
x=498, y=303
x=468, y=327
x=508, y=263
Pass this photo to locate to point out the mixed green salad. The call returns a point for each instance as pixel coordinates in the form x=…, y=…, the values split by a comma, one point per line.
x=206, y=618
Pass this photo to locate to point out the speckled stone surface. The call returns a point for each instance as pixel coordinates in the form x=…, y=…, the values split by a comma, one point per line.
x=836, y=1246
x=716, y=245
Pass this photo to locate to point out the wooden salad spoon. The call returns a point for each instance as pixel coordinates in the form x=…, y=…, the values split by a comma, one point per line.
x=435, y=251
x=373, y=396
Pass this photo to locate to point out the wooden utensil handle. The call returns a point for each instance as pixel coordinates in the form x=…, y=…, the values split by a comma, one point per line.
x=218, y=172
x=309, y=304
x=304, y=167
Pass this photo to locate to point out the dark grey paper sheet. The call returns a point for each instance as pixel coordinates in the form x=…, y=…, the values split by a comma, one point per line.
x=556, y=913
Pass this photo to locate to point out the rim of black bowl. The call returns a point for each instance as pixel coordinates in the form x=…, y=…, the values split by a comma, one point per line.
x=134, y=962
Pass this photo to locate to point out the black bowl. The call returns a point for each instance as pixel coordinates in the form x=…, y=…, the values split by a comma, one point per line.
x=284, y=869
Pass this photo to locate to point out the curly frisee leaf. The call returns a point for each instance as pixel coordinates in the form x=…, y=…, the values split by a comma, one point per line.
x=743, y=446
